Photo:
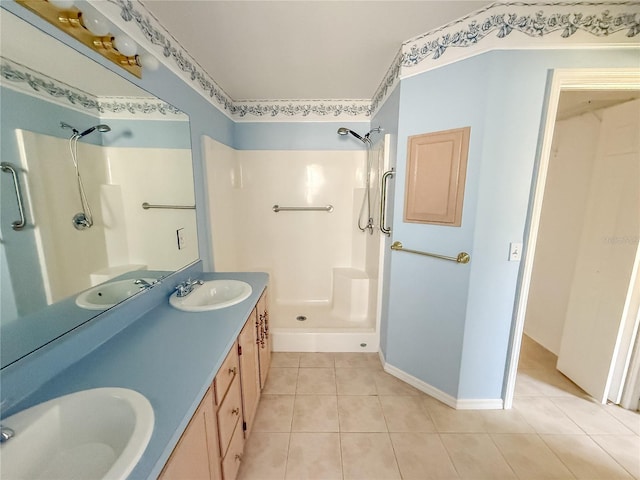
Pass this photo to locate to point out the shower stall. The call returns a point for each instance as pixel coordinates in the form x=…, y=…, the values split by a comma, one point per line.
x=311, y=220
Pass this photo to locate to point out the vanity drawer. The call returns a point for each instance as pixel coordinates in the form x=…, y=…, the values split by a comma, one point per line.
x=231, y=462
x=229, y=412
x=227, y=373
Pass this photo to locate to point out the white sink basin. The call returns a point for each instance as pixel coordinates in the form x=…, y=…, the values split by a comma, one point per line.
x=212, y=295
x=109, y=294
x=91, y=434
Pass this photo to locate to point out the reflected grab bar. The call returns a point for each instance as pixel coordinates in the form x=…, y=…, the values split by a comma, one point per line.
x=147, y=206
x=463, y=257
x=17, y=224
x=326, y=208
x=383, y=202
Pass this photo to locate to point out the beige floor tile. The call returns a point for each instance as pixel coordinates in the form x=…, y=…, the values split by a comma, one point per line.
x=275, y=413
x=530, y=457
x=317, y=359
x=281, y=381
x=475, y=456
x=590, y=416
x=535, y=356
x=316, y=381
x=450, y=420
x=422, y=456
x=356, y=381
x=624, y=449
x=630, y=419
x=505, y=421
x=368, y=456
x=265, y=457
x=315, y=413
x=544, y=416
x=549, y=383
x=585, y=458
x=389, y=385
x=285, y=359
x=406, y=414
x=360, y=414
x=357, y=360
x=314, y=456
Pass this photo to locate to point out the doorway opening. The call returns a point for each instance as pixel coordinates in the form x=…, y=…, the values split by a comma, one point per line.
x=578, y=294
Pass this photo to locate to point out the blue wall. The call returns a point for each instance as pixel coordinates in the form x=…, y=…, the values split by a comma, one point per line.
x=388, y=117
x=449, y=325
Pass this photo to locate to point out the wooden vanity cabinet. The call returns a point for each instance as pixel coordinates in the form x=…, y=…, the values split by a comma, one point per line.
x=228, y=395
x=248, y=346
x=196, y=456
x=212, y=445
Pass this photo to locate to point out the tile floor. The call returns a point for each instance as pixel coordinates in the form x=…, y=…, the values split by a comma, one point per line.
x=327, y=416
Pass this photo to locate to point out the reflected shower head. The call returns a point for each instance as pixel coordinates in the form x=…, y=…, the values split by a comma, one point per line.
x=345, y=131
x=101, y=128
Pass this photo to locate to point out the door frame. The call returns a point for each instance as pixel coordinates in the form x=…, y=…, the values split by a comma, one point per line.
x=560, y=80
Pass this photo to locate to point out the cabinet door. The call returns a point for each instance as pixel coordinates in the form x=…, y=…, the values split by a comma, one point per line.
x=249, y=371
x=264, y=338
x=195, y=456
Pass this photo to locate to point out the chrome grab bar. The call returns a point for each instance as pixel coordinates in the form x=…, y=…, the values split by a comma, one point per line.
x=326, y=208
x=147, y=206
x=383, y=202
x=463, y=257
x=17, y=224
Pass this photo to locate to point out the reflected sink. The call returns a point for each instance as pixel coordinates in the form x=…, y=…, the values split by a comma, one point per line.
x=212, y=295
x=98, y=433
x=109, y=294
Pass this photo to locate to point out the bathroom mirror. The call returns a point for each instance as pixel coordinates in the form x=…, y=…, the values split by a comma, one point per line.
x=77, y=138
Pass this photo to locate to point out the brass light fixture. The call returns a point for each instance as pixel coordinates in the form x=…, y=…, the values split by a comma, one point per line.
x=70, y=20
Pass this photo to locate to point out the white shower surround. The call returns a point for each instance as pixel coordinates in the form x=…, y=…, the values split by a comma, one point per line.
x=321, y=266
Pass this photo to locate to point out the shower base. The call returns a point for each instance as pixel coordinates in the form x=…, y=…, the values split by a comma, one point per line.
x=321, y=331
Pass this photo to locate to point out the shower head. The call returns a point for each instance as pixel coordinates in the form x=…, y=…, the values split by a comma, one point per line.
x=102, y=128
x=346, y=131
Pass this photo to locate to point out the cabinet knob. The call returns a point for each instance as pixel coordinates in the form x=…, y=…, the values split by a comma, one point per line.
x=238, y=457
x=233, y=371
x=235, y=411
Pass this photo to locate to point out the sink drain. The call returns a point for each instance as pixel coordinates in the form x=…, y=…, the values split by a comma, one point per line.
x=301, y=318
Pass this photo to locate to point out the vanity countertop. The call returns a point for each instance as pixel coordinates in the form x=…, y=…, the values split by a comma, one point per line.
x=169, y=356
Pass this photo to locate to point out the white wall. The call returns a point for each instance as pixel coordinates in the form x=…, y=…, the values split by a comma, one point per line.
x=565, y=198
x=299, y=249
x=156, y=176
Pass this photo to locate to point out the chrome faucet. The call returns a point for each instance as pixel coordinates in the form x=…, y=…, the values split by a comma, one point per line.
x=143, y=283
x=6, y=434
x=186, y=287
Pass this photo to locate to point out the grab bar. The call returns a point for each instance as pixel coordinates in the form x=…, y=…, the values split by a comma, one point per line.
x=383, y=203
x=147, y=206
x=463, y=257
x=17, y=224
x=326, y=208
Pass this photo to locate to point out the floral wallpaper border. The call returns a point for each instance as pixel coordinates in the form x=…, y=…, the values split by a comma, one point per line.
x=605, y=22
x=24, y=79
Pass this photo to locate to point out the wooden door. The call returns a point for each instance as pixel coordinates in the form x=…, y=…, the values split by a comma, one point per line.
x=249, y=371
x=195, y=456
x=597, y=312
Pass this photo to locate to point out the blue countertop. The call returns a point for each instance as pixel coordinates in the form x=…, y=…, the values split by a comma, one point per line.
x=169, y=356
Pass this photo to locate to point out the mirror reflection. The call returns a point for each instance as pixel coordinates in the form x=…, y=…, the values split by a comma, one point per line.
x=82, y=151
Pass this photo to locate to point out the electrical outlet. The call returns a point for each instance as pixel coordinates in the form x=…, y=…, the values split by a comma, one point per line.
x=182, y=243
x=515, y=251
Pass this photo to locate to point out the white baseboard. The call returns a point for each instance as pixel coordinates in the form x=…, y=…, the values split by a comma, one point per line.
x=458, y=404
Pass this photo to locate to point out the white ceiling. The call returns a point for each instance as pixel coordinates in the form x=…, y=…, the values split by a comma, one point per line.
x=300, y=49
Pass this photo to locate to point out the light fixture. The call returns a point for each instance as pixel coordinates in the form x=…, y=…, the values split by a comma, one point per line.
x=62, y=3
x=125, y=45
x=95, y=23
x=148, y=61
x=87, y=28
